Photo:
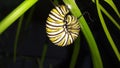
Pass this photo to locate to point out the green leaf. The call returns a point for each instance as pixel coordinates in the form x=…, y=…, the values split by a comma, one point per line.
x=106, y=30
x=109, y=16
x=15, y=14
x=111, y=3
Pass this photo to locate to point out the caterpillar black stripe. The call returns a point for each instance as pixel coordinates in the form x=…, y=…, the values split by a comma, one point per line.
x=61, y=27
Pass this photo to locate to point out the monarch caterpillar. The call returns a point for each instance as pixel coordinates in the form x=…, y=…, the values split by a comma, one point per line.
x=61, y=27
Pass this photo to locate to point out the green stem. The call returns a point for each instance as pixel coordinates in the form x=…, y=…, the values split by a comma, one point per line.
x=106, y=31
x=75, y=53
x=97, y=62
x=111, y=3
x=15, y=14
x=17, y=37
x=41, y=61
x=109, y=16
x=29, y=18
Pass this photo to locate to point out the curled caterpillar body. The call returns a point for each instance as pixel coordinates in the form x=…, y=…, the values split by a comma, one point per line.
x=62, y=29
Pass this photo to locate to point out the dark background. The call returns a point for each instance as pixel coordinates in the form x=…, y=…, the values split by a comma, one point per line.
x=33, y=38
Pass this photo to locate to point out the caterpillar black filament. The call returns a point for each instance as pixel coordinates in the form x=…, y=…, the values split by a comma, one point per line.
x=62, y=28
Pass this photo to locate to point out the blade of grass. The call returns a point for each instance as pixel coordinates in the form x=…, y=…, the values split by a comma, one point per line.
x=107, y=32
x=15, y=14
x=111, y=3
x=42, y=59
x=29, y=18
x=97, y=62
x=17, y=37
x=109, y=16
x=75, y=53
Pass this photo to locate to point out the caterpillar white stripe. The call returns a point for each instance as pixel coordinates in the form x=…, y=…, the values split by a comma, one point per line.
x=61, y=27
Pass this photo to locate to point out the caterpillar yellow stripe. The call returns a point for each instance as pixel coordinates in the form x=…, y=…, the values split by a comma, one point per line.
x=61, y=27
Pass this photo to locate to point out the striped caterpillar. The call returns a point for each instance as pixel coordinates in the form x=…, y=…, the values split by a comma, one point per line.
x=61, y=27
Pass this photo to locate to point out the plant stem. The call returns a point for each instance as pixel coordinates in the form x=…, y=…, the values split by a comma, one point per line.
x=15, y=14
x=41, y=61
x=29, y=18
x=111, y=3
x=97, y=62
x=17, y=37
x=75, y=53
x=106, y=31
